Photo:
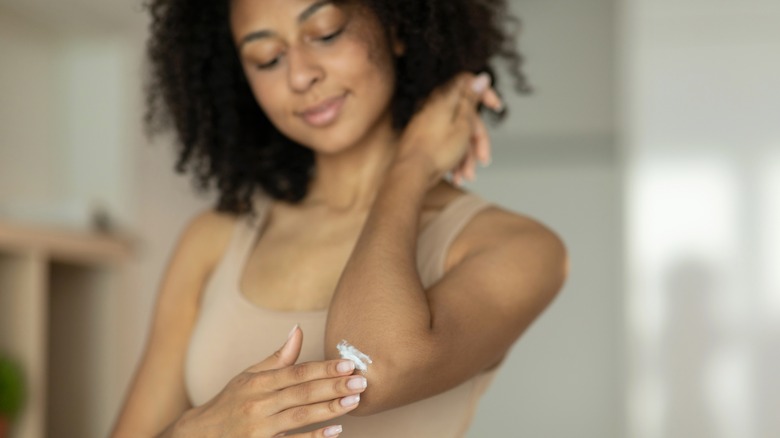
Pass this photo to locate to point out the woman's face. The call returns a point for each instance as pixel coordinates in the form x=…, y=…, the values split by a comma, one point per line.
x=322, y=73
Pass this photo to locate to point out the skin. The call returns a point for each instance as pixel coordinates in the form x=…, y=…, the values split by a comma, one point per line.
x=373, y=190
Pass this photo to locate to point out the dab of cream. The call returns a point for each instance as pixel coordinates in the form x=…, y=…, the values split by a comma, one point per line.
x=348, y=351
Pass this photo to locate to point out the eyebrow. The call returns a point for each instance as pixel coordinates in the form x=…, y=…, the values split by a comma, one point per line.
x=303, y=16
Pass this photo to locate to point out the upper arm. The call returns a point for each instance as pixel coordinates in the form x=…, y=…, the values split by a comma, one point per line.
x=483, y=305
x=478, y=310
x=156, y=396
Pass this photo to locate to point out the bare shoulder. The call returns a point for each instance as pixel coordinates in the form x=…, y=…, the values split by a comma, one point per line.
x=210, y=229
x=157, y=395
x=205, y=237
x=531, y=245
x=497, y=224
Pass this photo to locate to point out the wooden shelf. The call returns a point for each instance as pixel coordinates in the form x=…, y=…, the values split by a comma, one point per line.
x=58, y=313
x=65, y=244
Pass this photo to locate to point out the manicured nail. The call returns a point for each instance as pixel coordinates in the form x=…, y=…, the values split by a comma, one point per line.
x=333, y=431
x=456, y=180
x=345, y=366
x=480, y=83
x=357, y=383
x=350, y=400
x=289, y=335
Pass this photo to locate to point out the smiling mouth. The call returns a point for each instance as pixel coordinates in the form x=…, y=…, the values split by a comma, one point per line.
x=325, y=113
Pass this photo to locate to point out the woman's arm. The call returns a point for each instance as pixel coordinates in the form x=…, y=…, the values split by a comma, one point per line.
x=156, y=396
x=270, y=397
x=423, y=342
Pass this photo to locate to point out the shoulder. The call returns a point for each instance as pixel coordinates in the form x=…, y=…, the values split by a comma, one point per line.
x=527, y=244
x=205, y=238
x=208, y=222
x=199, y=247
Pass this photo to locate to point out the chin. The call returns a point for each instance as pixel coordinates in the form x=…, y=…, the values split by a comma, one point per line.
x=333, y=141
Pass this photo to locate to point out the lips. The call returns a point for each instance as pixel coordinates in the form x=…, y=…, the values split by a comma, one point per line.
x=325, y=112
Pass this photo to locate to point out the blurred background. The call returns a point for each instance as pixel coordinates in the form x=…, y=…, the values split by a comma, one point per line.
x=651, y=145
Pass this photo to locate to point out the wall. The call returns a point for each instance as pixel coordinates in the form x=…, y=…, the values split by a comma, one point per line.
x=63, y=122
x=28, y=117
x=700, y=100
x=562, y=378
x=556, y=160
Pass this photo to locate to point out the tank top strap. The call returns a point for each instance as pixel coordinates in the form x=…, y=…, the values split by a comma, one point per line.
x=246, y=231
x=437, y=237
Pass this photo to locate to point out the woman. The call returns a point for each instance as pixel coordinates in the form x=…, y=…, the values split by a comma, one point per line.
x=327, y=127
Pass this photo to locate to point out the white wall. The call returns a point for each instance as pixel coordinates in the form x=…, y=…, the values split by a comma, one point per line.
x=700, y=99
x=63, y=138
x=93, y=83
x=562, y=378
x=29, y=150
x=556, y=160
x=569, y=51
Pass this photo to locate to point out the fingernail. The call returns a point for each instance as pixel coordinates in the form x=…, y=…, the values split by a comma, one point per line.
x=350, y=400
x=289, y=335
x=480, y=83
x=456, y=180
x=345, y=366
x=357, y=383
x=486, y=162
x=333, y=431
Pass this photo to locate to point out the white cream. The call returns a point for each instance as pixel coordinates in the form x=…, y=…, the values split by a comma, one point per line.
x=348, y=351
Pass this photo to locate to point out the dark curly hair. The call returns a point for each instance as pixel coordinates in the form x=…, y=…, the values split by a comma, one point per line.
x=196, y=84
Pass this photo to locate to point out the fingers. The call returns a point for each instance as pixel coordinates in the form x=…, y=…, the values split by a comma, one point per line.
x=491, y=100
x=468, y=94
x=325, y=432
x=479, y=150
x=478, y=89
x=321, y=390
x=298, y=416
x=284, y=356
x=482, y=140
x=304, y=372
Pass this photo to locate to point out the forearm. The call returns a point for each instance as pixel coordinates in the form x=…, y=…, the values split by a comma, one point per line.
x=379, y=301
x=168, y=432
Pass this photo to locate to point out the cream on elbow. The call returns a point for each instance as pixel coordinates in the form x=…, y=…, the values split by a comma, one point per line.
x=348, y=351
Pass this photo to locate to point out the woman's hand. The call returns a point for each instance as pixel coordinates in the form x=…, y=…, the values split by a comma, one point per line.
x=447, y=132
x=275, y=396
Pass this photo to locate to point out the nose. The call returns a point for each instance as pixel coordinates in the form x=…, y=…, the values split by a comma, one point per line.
x=303, y=70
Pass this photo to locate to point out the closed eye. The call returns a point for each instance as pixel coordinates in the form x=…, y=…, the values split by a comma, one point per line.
x=268, y=65
x=331, y=37
x=325, y=39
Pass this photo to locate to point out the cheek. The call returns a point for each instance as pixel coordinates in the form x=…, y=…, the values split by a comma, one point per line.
x=365, y=69
x=271, y=98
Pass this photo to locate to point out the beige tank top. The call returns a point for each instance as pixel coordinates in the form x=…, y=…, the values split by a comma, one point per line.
x=232, y=333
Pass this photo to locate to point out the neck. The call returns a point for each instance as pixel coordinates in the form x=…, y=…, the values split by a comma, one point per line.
x=348, y=181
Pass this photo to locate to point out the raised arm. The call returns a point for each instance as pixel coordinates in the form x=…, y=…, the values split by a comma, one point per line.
x=423, y=342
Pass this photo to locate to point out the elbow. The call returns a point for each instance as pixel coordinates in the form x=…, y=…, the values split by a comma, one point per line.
x=392, y=382
x=365, y=409
x=376, y=398
x=393, y=372
x=387, y=387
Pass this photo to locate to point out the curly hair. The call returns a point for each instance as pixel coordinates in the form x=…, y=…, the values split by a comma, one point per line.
x=197, y=86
